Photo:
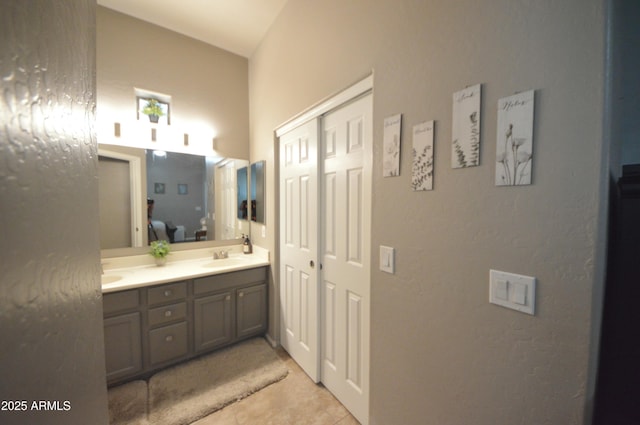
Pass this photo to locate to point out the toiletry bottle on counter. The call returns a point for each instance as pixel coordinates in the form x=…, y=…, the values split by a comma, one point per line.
x=246, y=246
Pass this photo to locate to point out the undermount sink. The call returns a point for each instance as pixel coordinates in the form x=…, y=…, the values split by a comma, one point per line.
x=110, y=278
x=226, y=262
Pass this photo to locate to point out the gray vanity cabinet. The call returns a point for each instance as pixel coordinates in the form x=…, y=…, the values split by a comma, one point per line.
x=122, y=334
x=224, y=307
x=151, y=328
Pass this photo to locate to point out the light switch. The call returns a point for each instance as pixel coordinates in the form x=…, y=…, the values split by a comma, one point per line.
x=512, y=291
x=502, y=290
x=519, y=293
x=387, y=260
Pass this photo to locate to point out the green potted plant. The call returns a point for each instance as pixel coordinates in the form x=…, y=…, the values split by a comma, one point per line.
x=159, y=250
x=153, y=109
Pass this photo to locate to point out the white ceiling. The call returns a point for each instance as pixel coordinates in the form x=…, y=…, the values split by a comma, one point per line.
x=233, y=25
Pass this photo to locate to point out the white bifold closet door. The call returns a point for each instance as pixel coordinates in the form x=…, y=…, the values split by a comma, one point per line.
x=299, y=300
x=346, y=254
x=325, y=249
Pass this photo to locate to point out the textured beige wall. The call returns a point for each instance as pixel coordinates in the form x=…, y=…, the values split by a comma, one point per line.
x=50, y=303
x=208, y=85
x=440, y=353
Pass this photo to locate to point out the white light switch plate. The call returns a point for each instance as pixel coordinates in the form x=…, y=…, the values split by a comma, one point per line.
x=387, y=259
x=513, y=291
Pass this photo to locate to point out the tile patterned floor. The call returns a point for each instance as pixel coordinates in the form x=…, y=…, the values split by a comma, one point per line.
x=295, y=400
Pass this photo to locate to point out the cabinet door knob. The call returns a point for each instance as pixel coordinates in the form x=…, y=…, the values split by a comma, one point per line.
x=227, y=298
x=167, y=293
x=169, y=338
x=167, y=313
x=241, y=294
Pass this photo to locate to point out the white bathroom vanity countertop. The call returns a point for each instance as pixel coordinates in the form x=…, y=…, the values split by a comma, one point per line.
x=122, y=273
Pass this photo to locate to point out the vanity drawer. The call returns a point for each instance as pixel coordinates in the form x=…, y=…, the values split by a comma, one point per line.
x=227, y=280
x=167, y=293
x=168, y=343
x=167, y=313
x=120, y=301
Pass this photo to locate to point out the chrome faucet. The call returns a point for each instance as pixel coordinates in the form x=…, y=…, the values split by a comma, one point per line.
x=220, y=255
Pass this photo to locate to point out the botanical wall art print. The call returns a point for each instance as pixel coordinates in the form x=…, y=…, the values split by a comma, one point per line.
x=422, y=170
x=514, y=150
x=391, y=146
x=465, y=148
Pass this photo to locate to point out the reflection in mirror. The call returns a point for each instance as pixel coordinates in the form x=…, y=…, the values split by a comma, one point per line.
x=243, y=205
x=188, y=191
x=178, y=197
x=227, y=225
x=121, y=197
x=257, y=191
x=115, y=202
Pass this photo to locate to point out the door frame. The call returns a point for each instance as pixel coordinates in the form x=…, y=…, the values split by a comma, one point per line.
x=332, y=102
x=356, y=90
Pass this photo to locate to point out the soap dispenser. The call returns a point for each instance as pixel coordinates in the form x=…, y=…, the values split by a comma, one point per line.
x=246, y=245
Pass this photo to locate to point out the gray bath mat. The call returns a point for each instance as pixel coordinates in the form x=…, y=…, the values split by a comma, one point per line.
x=187, y=392
x=128, y=404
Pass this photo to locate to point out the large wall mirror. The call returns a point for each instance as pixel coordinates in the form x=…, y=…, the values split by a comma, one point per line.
x=257, y=192
x=147, y=195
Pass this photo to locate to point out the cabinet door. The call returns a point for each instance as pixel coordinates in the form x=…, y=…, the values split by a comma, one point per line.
x=252, y=310
x=213, y=321
x=123, y=348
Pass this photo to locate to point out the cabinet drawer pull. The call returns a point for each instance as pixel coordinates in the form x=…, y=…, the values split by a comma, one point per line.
x=169, y=338
x=167, y=293
x=168, y=313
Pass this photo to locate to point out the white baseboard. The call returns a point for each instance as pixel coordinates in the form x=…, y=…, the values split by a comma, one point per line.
x=271, y=341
